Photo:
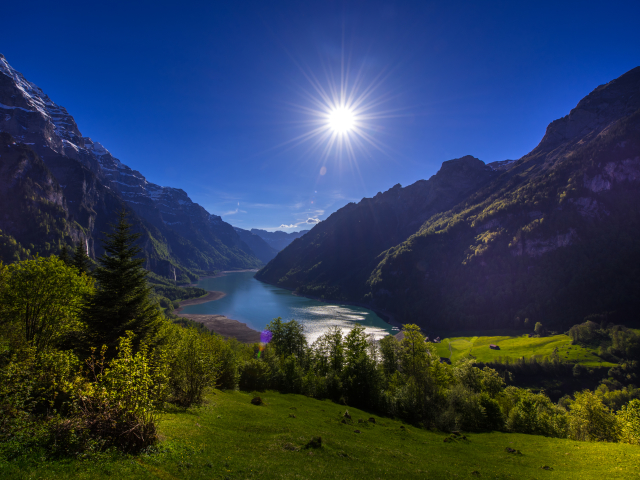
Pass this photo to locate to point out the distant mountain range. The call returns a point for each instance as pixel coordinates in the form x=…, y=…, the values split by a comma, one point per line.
x=278, y=240
x=553, y=236
x=59, y=188
x=266, y=245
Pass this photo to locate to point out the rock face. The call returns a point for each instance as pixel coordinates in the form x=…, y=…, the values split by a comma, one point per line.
x=180, y=237
x=553, y=236
x=337, y=256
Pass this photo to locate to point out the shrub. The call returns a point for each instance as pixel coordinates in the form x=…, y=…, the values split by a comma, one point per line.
x=629, y=422
x=254, y=375
x=194, y=367
x=120, y=405
x=535, y=414
x=42, y=299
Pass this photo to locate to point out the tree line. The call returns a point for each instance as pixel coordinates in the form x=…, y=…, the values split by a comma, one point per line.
x=88, y=361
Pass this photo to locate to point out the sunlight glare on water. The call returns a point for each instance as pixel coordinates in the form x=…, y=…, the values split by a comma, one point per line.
x=256, y=304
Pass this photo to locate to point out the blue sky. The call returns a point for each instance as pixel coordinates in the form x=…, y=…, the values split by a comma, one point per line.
x=209, y=96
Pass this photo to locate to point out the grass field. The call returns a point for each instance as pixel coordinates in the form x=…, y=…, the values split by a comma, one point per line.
x=515, y=347
x=229, y=438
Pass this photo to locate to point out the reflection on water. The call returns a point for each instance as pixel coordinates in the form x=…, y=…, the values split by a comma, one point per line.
x=256, y=304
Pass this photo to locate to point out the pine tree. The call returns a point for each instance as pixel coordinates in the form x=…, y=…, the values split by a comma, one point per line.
x=122, y=301
x=64, y=255
x=80, y=259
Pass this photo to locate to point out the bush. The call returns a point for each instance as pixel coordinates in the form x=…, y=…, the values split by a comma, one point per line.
x=42, y=300
x=120, y=405
x=535, y=414
x=194, y=367
x=254, y=375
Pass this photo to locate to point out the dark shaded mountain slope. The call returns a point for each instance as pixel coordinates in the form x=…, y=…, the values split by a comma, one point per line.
x=552, y=237
x=555, y=238
x=259, y=247
x=336, y=257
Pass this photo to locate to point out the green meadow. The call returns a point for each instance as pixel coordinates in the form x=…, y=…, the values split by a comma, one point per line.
x=229, y=438
x=515, y=347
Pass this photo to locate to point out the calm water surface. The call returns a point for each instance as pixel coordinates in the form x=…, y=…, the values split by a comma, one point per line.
x=256, y=304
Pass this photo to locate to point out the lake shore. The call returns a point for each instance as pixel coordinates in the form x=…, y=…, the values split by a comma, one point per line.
x=220, y=274
x=211, y=296
x=227, y=327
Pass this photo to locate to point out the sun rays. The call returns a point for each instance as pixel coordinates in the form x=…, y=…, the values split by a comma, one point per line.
x=340, y=113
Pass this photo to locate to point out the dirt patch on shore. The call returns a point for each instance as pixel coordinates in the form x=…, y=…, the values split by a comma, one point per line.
x=209, y=297
x=226, y=327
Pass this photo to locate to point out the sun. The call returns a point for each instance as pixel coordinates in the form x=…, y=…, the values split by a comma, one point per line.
x=342, y=120
x=342, y=114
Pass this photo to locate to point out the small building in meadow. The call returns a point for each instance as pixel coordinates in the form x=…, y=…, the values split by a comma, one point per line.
x=494, y=347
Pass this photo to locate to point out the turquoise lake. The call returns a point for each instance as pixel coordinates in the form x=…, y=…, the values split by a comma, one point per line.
x=256, y=304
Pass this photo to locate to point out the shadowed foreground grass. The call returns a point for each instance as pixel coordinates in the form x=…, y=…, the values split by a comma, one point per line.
x=515, y=347
x=231, y=438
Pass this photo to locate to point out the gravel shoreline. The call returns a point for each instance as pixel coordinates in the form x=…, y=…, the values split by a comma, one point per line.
x=227, y=327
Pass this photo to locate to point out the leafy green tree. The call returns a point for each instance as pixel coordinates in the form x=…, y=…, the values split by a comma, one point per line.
x=123, y=298
x=590, y=420
x=328, y=351
x=43, y=300
x=287, y=337
x=629, y=422
x=80, y=259
x=390, y=353
x=539, y=329
x=361, y=377
x=415, y=353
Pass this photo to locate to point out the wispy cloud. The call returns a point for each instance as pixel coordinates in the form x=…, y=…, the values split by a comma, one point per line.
x=233, y=212
x=308, y=221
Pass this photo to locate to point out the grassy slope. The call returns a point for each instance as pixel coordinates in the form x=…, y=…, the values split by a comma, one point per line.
x=516, y=347
x=230, y=438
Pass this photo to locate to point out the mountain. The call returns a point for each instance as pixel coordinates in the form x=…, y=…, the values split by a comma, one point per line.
x=553, y=236
x=278, y=239
x=259, y=247
x=180, y=238
x=337, y=256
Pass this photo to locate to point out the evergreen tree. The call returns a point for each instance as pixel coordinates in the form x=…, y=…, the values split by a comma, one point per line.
x=122, y=301
x=64, y=255
x=80, y=259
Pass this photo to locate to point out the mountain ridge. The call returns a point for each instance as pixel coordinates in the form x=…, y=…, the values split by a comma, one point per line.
x=553, y=236
x=179, y=235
